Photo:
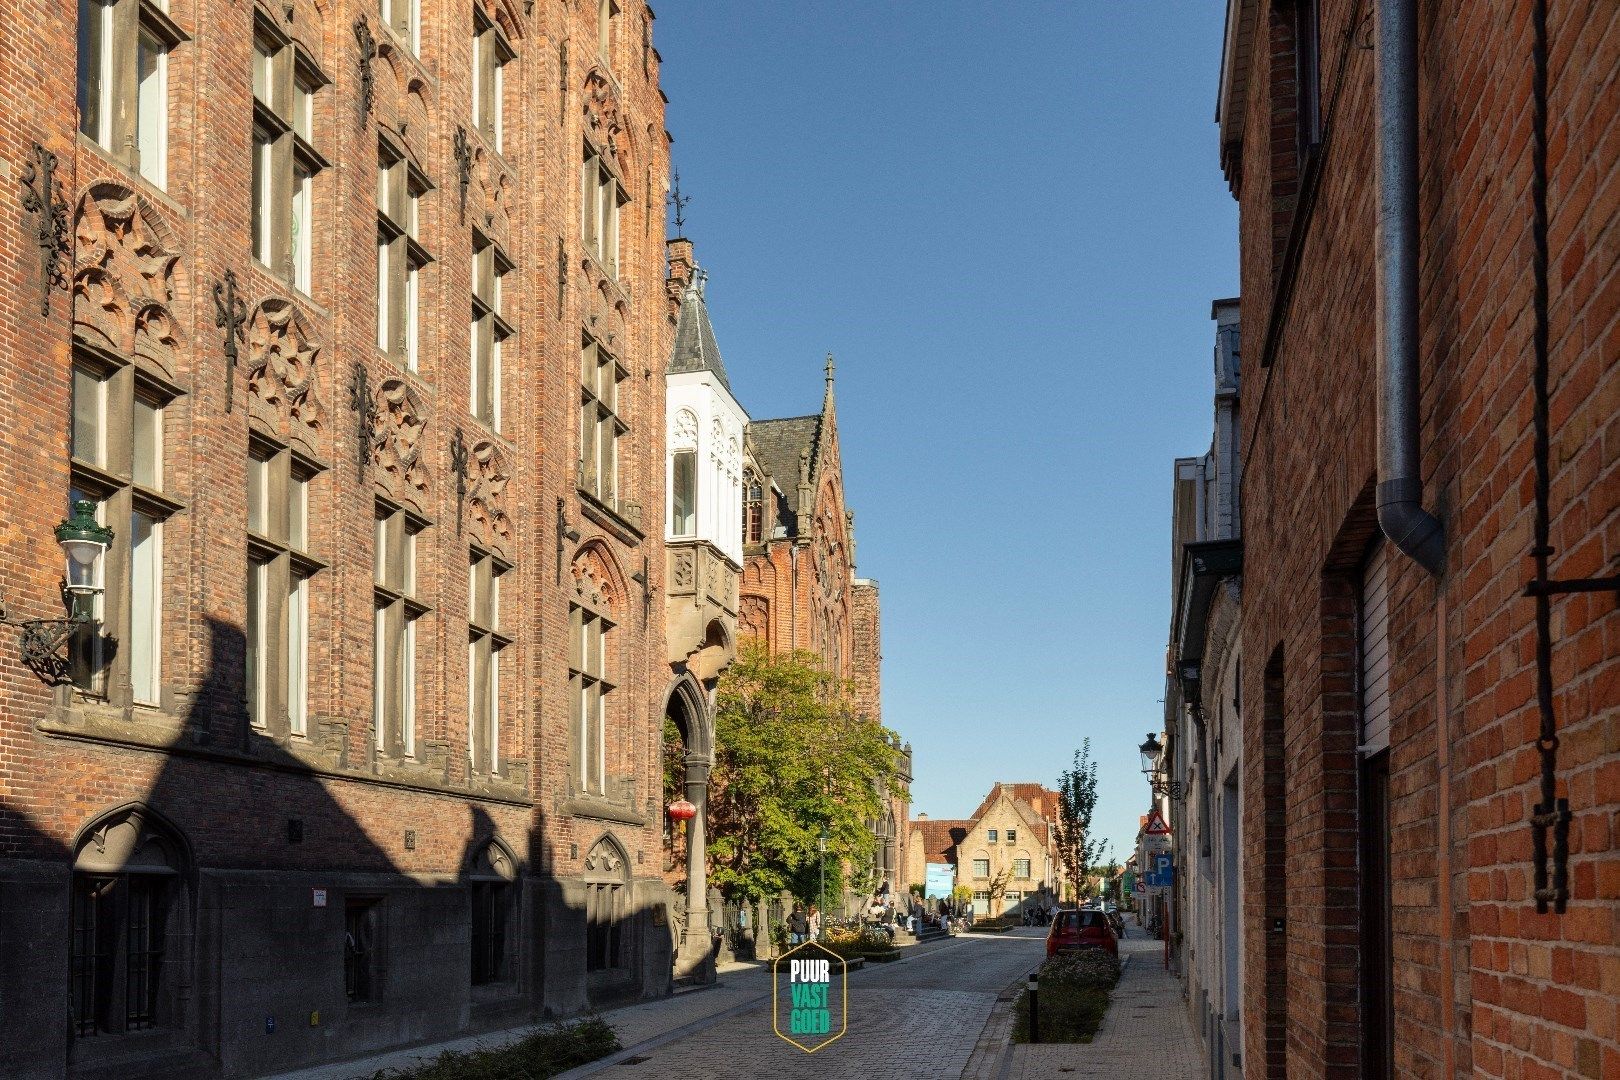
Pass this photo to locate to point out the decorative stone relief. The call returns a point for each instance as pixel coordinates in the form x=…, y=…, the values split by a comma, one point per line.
x=124, y=276
x=753, y=617
x=487, y=477
x=686, y=430
x=396, y=441
x=683, y=572
x=595, y=582
x=283, y=391
x=604, y=858
x=602, y=110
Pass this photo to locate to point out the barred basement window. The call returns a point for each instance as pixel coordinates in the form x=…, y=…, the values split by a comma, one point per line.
x=488, y=329
x=490, y=55
x=400, y=256
x=278, y=575
x=285, y=161
x=117, y=448
x=397, y=612
x=485, y=643
x=123, y=81
x=599, y=423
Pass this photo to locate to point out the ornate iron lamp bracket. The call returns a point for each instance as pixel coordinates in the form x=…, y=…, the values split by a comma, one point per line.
x=365, y=410
x=464, y=165
x=40, y=642
x=458, y=465
x=42, y=197
x=230, y=312
x=368, y=52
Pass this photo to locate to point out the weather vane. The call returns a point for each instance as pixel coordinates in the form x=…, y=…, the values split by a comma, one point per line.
x=679, y=201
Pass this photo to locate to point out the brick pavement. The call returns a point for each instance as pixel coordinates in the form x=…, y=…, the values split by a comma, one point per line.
x=1146, y=1034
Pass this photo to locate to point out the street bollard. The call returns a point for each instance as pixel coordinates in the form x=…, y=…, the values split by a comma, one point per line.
x=1034, y=1007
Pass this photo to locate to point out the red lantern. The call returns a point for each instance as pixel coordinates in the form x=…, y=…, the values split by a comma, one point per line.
x=682, y=810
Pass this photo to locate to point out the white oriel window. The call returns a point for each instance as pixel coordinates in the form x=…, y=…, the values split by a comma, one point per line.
x=683, y=493
x=117, y=448
x=488, y=330
x=401, y=257
x=599, y=424
x=600, y=195
x=123, y=81
x=279, y=570
x=490, y=55
x=588, y=676
x=397, y=612
x=485, y=643
x=285, y=161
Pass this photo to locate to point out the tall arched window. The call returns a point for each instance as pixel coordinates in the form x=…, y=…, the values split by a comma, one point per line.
x=753, y=508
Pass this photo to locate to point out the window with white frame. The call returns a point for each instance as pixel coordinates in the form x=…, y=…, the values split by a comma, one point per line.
x=981, y=868
x=278, y=587
x=123, y=81
x=485, y=644
x=285, y=161
x=490, y=54
x=400, y=255
x=117, y=463
x=591, y=687
x=404, y=17
x=397, y=613
x=487, y=330
x=683, y=493
x=601, y=195
x=600, y=426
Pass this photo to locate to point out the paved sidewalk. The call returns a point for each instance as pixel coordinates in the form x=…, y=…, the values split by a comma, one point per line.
x=1146, y=1034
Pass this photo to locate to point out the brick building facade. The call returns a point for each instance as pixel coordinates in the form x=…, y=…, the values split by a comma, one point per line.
x=1389, y=715
x=1009, y=840
x=351, y=338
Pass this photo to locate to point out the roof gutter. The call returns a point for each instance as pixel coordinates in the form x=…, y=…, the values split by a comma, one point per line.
x=1416, y=532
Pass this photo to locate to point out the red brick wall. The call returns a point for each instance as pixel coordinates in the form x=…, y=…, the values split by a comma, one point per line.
x=1482, y=983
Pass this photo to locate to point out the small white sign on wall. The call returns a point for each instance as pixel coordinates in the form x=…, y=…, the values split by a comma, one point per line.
x=319, y=897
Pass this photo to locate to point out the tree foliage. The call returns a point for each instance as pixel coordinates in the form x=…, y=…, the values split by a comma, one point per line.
x=1077, y=800
x=791, y=759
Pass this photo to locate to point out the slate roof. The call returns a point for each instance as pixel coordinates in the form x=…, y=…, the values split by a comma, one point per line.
x=695, y=346
x=939, y=838
x=777, y=446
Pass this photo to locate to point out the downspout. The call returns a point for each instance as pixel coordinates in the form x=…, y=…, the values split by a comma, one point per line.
x=1412, y=529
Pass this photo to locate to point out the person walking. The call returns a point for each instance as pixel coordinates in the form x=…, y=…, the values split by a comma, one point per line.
x=815, y=923
x=798, y=925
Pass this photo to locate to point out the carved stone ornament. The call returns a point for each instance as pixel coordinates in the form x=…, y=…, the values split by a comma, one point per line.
x=124, y=276
x=753, y=617
x=282, y=388
x=487, y=477
x=595, y=583
x=396, y=441
x=686, y=429
x=683, y=571
x=604, y=858
x=602, y=110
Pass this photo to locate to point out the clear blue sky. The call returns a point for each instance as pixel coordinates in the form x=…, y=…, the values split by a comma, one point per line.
x=1007, y=220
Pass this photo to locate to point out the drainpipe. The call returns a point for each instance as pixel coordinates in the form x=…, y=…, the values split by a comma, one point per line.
x=1412, y=529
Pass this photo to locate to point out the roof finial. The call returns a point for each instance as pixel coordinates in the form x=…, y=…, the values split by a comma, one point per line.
x=679, y=201
x=829, y=369
x=827, y=398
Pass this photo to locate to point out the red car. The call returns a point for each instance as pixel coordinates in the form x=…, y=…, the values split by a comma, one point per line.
x=1081, y=929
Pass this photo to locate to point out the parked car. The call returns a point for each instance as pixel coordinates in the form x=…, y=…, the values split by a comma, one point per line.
x=1081, y=928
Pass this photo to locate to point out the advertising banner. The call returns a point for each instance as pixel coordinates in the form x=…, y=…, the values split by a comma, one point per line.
x=941, y=880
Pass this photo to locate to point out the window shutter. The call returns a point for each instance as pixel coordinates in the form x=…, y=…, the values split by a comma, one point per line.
x=1374, y=654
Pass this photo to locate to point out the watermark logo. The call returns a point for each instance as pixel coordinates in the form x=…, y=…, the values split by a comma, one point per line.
x=810, y=996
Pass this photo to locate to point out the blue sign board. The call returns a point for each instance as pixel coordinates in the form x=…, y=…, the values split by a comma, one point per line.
x=1163, y=874
x=941, y=880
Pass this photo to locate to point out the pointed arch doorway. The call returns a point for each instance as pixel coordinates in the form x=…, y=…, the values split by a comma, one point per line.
x=689, y=754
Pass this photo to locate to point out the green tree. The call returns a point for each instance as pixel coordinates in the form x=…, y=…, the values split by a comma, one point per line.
x=998, y=889
x=1077, y=800
x=791, y=759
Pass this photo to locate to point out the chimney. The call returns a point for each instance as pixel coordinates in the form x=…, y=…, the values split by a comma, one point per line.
x=920, y=817
x=681, y=266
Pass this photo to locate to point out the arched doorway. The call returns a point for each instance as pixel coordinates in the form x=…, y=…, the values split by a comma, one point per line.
x=688, y=755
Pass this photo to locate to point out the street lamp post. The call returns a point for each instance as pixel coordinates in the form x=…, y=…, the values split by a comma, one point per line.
x=821, y=846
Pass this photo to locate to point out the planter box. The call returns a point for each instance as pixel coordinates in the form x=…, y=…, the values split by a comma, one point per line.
x=887, y=956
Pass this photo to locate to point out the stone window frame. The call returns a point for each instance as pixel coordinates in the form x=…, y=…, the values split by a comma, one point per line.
x=493, y=911
x=491, y=52
x=404, y=18
x=396, y=613
x=602, y=198
x=992, y=834
x=278, y=556
x=401, y=257
x=285, y=160
x=981, y=867
x=132, y=27
x=1025, y=875
x=591, y=679
x=753, y=507
x=363, y=934
x=488, y=330
x=599, y=417
x=606, y=895
x=109, y=478
x=485, y=644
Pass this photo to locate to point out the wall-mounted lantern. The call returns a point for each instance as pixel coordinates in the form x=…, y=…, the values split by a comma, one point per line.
x=84, y=541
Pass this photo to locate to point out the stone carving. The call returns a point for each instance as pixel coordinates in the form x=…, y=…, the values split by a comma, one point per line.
x=396, y=440
x=595, y=582
x=604, y=858
x=686, y=429
x=683, y=572
x=753, y=617
x=124, y=276
x=282, y=388
x=602, y=110
x=487, y=477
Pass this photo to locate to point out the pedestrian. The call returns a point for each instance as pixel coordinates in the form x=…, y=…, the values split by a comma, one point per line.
x=815, y=923
x=798, y=925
